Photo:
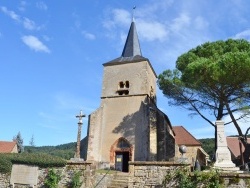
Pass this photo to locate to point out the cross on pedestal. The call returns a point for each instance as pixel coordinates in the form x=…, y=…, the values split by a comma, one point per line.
x=80, y=116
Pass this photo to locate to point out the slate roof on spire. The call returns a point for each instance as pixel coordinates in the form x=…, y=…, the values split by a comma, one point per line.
x=132, y=50
x=132, y=45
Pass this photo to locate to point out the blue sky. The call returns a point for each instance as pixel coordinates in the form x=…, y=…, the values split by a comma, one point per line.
x=52, y=54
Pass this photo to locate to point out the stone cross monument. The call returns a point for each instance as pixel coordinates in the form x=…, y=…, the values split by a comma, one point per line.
x=80, y=116
x=223, y=155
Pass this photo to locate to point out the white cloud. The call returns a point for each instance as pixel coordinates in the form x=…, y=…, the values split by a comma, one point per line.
x=152, y=8
x=244, y=34
x=119, y=17
x=10, y=13
x=22, y=6
x=122, y=17
x=41, y=5
x=35, y=44
x=180, y=22
x=89, y=36
x=200, y=23
x=147, y=30
x=29, y=24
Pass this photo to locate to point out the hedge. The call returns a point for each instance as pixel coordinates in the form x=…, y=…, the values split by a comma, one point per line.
x=36, y=159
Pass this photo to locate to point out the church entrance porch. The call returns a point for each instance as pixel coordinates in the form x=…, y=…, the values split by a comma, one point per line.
x=121, y=161
x=120, y=154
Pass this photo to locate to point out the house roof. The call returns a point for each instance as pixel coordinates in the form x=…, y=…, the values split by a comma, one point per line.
x=234, y=146
x=183, y=137
x=7, y=147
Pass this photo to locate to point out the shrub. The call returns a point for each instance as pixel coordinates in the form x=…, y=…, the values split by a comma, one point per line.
x=52, y=179
x=182, y=177
x=36, y=159
x=76, y=182
x=5, y=165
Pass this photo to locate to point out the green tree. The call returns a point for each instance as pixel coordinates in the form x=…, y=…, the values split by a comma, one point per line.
x=32, y=141
x=19, y=140
x=213, y=77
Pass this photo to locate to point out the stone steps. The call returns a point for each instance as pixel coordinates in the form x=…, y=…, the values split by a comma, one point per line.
x=120, y=180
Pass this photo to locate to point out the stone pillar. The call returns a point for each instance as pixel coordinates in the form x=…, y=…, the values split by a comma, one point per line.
x=223, y=155
x=77, y=154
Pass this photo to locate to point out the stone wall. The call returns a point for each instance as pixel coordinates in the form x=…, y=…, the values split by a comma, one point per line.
x=141, y=174
x=149, y=174
x=141, y=77
x=66, y=173
x=4, y=180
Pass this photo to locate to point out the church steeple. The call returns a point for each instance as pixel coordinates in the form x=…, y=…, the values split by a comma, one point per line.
x=132, y=45
x=132, y=50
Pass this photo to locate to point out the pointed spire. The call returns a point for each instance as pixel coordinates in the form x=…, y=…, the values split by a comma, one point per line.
x=132, y=50
x=132, y=45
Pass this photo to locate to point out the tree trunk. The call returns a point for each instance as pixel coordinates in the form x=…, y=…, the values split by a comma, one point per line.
x=246, y=153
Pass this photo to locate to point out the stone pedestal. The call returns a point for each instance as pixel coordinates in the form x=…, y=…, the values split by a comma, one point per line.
x=76, y=159
x=223, y=155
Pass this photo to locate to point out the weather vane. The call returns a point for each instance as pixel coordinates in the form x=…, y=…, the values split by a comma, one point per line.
x=133, y=12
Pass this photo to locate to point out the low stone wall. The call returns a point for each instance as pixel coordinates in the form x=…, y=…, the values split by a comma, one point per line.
x=236, y=180
x=4, y=180
x=152, y=174
x=66, y=173
x=149, y=174
x=141, y=174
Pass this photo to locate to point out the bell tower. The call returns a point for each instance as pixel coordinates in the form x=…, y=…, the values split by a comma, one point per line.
x=131, y=74
x=124, y=127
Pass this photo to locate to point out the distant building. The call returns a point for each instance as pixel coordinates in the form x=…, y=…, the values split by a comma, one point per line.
x=194, y=147
x=236, y=147
x=8, y=147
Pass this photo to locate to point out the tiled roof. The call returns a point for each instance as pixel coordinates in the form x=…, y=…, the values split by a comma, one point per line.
x=183, y=137
x=7, y=147
x=234, y=146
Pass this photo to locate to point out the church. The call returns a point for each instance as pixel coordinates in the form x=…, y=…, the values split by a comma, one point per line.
x=128, y=126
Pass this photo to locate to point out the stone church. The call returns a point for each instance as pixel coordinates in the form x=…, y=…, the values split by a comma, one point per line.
x=128, y=126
